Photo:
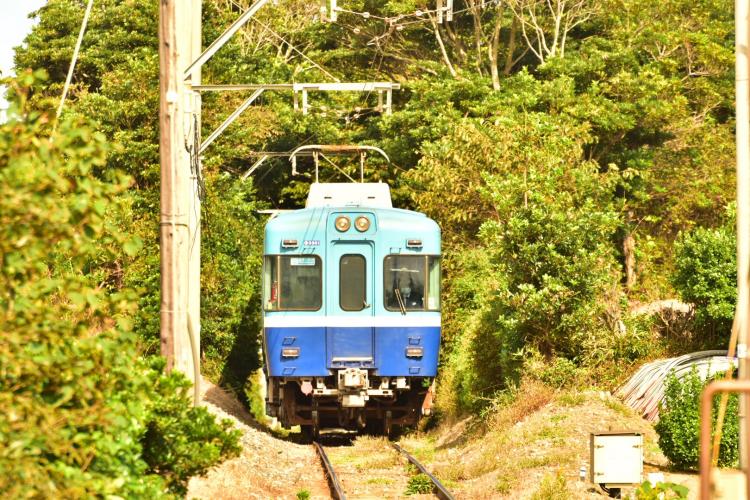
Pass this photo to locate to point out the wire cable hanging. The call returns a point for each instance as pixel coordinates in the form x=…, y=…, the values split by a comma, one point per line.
x=401, y=21
x=290, y=44
x=76, y=51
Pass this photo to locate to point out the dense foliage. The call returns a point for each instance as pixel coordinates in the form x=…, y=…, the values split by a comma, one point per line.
x=118, y=90
x=706, y=274
x=679, y=424
x=557, y=162
x=83, y=413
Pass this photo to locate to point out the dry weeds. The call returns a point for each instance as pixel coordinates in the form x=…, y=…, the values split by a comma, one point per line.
x=534, y=446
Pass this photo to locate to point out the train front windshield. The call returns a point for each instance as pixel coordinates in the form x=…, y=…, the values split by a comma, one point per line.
x=293, y=283
x=411, y=283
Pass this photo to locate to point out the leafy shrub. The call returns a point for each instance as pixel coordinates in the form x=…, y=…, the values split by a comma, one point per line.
x=553, y=487
x=419, y=484
x=120, y=93
x=679, y=424
x=182, y=440
x=662, y=491
x=83, y=415
x=550, y=240
x=556, y=372
x=706, y=275
x=560, y=373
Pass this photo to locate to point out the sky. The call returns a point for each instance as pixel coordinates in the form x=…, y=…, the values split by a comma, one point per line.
x=14, y=26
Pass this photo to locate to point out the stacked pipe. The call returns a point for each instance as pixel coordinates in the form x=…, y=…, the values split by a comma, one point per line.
x=644, y=392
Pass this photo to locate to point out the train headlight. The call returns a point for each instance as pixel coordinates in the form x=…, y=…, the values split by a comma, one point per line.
x=414, y=352
x=362, y=224
x=343, y=223
x=290, y=352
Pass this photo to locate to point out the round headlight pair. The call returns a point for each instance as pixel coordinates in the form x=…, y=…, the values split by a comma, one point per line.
x=361, y=223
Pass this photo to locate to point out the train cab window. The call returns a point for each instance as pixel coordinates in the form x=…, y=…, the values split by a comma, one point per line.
x=293, y=283
x=411, y=283
x=352, y=282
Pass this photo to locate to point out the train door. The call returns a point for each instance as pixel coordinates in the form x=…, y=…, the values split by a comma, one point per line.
x=350, y=329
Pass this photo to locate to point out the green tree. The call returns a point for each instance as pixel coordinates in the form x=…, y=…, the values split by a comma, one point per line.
x=83, y=412
x=116, y=86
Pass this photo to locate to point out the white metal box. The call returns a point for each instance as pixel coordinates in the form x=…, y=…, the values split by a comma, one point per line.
x=616, y=458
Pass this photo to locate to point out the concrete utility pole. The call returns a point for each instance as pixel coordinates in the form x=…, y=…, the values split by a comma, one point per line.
x=179, y=122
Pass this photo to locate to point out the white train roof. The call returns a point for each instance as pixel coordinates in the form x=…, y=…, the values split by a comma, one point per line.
x=349, y=194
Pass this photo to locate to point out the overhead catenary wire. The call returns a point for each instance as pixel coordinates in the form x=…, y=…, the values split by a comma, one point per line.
x=397, y=23
x=73, y=60
x=337, y=167
x=294, y=48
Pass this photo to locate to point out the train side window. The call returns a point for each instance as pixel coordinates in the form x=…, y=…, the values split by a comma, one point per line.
x=352, y=282
x=293, y=283
x=270, y=283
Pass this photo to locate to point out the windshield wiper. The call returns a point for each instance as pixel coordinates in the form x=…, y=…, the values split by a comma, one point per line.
x=400, y=300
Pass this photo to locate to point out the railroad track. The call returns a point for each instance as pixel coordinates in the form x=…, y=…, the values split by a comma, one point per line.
x=337, y=490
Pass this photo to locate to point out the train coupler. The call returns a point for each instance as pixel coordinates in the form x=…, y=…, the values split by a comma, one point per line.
x=353, y=384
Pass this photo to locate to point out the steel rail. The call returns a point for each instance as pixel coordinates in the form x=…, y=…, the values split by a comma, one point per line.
x=438, y=488
x=337, y=492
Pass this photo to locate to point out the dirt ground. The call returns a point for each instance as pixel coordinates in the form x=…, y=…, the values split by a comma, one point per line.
x=268, y=467
x=531, y=450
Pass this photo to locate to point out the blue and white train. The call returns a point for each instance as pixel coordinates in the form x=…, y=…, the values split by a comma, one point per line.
x=351, y=311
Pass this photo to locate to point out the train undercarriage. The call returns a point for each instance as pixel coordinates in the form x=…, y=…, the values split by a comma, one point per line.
x=352, y=399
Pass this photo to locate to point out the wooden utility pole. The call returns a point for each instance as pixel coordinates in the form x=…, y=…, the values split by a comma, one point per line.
x=180, y=211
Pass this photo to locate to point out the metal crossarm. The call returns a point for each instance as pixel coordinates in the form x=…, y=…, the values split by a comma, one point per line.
x=230, y=119
x=224, y=37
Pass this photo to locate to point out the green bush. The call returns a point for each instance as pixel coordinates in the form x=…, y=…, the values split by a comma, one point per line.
x=662, y=491
x=679, y=424
x=120, y=93
x=83, y=414
x=558, y=372
x=552, y=246
x=419, y=484
x=182, y=440
x=706, y=275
